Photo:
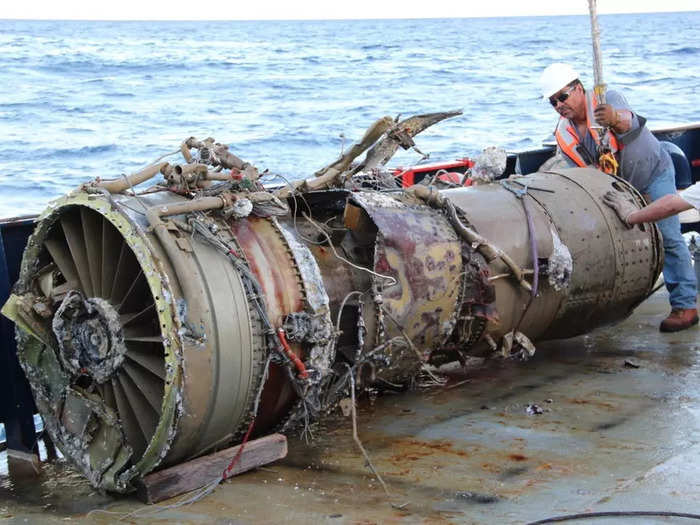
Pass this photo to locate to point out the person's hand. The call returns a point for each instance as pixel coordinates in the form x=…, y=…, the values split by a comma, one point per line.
x=621, y=204
x=606, y=116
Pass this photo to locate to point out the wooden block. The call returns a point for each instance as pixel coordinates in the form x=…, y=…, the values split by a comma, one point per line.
x=22, y=465
x=197, y=473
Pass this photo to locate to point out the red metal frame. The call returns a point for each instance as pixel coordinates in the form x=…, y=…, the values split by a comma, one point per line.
x=408, y=175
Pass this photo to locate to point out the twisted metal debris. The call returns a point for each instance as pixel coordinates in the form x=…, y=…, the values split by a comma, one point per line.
x=158, y=325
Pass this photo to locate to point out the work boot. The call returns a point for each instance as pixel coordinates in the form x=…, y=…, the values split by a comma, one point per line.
x=679, y=319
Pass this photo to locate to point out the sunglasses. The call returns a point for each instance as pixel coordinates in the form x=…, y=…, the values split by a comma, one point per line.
x=561, y=97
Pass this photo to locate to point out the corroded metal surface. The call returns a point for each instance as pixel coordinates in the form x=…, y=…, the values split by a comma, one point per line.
x=318, y=331
x=207, y=289
x=614, y=268
x=421, y=254
x=274, y=267
x=272, y=264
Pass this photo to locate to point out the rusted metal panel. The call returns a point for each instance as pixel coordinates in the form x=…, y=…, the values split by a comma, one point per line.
x=418, y=261
x=273, y=266
x=283, y=293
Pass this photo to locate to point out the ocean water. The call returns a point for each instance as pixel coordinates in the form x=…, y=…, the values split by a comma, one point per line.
x=86, y=99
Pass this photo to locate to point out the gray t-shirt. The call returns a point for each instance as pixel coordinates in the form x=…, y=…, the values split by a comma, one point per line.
x=642, y=158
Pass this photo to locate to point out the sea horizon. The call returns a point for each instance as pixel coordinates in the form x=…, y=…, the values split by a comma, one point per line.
x=80, y=99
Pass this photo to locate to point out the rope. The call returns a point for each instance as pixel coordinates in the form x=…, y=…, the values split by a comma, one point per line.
x=133, y=191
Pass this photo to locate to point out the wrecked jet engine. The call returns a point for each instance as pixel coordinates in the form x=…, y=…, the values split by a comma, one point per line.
x=158, y=326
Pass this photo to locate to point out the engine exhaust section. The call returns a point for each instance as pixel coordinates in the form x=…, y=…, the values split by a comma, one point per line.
x=158, y=326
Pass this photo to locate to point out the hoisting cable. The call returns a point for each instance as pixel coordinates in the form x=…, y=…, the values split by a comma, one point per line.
x=606, y=160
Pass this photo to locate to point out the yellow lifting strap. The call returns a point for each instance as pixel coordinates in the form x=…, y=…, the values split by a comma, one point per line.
x=607, y=163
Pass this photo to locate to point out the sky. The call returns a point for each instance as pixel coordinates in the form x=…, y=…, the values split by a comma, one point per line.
x=319, y=9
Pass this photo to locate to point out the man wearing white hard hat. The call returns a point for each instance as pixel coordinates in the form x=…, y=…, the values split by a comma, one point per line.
x=642, y=162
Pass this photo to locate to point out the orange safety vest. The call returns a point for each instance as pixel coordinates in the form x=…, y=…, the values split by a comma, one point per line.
x=567, y=138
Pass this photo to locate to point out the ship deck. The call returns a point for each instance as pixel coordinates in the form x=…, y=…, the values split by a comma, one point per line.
x=618, y=431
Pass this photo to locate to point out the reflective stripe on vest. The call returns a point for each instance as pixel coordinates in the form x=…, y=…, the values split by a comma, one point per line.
x=567, y=138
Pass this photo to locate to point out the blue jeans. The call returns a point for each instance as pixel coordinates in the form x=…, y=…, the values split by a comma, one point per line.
x=679, y=275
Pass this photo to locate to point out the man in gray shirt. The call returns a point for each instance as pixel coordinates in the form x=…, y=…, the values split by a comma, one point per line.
x=630, y=149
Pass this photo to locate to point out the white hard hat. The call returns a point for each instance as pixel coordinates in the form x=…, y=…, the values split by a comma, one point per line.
x=555, y=77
